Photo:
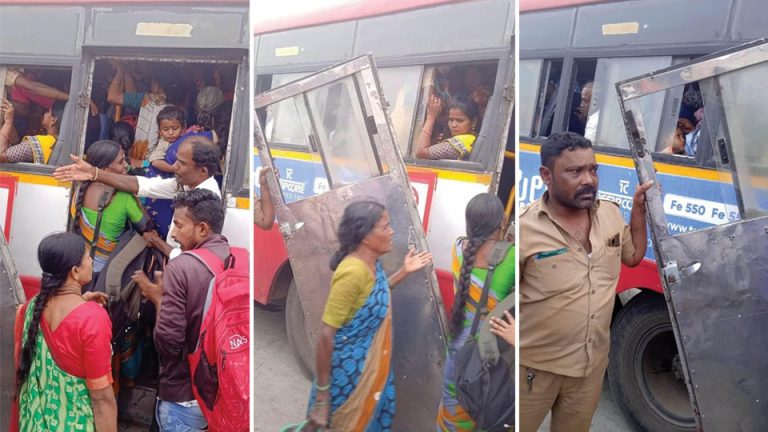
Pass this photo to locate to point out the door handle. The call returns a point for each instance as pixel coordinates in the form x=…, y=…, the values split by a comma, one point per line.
x=691, y=269
x=287, y=230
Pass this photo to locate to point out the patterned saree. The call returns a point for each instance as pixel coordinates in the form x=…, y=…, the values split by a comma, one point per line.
x=52, y=400
x=362, y=381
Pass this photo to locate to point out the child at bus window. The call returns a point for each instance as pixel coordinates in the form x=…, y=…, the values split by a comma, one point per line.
x=684, y=126
x=33, y=149
x=462, y=121
x=164, y=89
x=170, y=124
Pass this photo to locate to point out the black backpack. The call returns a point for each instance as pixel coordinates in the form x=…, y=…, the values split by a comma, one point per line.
x=484, y=367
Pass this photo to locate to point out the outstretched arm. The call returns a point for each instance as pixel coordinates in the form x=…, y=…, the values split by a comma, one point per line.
x=82, y=170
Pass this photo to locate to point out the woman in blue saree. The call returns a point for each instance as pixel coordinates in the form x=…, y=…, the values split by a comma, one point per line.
x=354, y=387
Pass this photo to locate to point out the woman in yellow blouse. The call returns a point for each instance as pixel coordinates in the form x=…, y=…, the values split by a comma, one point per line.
x=354, y=388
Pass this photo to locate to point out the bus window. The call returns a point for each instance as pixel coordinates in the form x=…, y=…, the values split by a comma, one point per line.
x=472, y=84
x=604, y=125
x=122, y=103
x=528, y=93
x=543, y=77
x=38, y=95
x=401, y=88
x=581, y=96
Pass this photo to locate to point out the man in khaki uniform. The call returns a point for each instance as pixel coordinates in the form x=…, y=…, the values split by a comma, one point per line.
x=571, y=247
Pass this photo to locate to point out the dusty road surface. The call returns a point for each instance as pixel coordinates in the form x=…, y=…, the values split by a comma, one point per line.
x=281, y=390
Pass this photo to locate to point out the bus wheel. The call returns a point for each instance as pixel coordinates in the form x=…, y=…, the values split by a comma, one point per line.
x=645, y=371
x=302, y=345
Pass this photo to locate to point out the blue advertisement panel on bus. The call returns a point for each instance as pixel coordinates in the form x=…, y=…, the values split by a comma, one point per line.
x=690, y=203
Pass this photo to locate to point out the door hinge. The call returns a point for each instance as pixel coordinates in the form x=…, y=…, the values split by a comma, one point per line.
x=370, y=124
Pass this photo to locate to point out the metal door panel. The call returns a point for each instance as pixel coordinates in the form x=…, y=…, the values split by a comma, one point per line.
x=309, y=229
x=11, y=296
x=715, y=278
x=722, y=312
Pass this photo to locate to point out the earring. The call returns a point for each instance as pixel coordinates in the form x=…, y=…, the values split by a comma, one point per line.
x=77, y=277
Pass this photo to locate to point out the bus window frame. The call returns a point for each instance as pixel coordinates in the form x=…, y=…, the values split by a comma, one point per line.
x=490, y=160
x=233, y=183
x=58, y=157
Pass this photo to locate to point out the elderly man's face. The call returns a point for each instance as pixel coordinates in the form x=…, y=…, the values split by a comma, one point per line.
x=188, y=173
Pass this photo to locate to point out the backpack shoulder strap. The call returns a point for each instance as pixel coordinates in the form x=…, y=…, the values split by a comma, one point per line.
x=498, y=253
x=104, y=200
x=212, y=262
x=215, y=265
x=496, y=256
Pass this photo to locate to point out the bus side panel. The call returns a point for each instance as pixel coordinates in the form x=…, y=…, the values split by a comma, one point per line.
x=142, y=26
x=42, y=210
x=393, y=35
x=645, y=275
x=269, y=254
x=685, y=189
x=234, y=229
x=61, y=27
x=669, y=21
x=446, y=220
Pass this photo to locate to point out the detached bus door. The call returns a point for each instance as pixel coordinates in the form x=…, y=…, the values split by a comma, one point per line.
x=715, y=277
x=347, y=129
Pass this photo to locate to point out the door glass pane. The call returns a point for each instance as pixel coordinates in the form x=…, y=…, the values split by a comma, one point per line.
x=282, y=125
x=693, y=198
x=744, y=97
x=528, y=91
x=605, y=126
x=401, y=88
x=339, y=121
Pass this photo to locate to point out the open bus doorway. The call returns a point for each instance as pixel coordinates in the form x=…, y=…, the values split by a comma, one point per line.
x=136, y=367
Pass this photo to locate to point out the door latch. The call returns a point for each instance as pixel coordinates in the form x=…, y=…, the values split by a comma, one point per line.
x=287, y=230
x=671, y=273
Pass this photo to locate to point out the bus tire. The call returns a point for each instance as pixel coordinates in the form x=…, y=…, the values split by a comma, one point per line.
x=302, y=346
x=644, y=371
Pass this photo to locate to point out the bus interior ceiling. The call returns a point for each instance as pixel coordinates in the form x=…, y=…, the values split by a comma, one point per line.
x=185, y=79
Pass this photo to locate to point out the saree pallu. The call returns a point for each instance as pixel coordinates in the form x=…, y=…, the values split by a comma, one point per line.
x=362, y=381
x=103, y=246
x=52, y=400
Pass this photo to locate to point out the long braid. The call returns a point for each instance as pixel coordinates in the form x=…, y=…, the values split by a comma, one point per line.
x=484, y=215
x=79, y=205
x=465, y=279
x=57, y=254
x=48, y=286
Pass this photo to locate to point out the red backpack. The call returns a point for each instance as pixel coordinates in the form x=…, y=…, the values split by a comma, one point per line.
x=219, y=366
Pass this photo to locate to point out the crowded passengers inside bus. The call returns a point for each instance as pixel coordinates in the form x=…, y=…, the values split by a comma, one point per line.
x=153, y=129
x=593, y=110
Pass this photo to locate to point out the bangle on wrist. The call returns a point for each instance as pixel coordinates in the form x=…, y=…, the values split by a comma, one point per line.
x=319, y=388
x=96, y=176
